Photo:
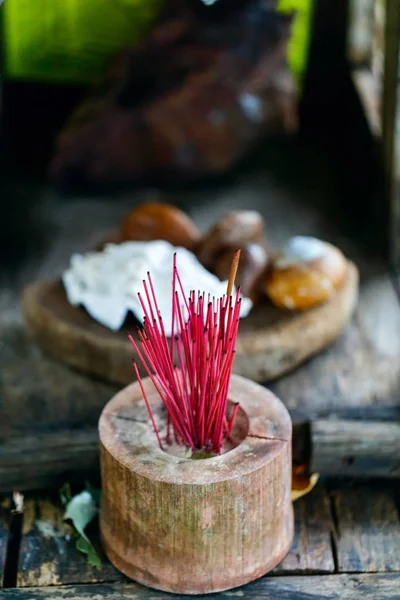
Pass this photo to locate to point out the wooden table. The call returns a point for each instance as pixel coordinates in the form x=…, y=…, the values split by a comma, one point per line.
x=347, y=541
x=346, y=545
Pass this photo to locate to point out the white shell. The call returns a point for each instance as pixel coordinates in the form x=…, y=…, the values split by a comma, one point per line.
x=301, y=249
x=107, y=283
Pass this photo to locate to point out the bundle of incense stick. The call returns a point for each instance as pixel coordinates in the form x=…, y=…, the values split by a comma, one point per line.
x=195, y=390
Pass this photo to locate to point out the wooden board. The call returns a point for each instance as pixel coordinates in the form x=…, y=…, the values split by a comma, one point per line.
x=328, y=587
x=375, y=547
x=334, y=534
x=50, y=458
x=311, y=550
x=354, y=448
x=48, y=556
x=362, y=369
x=270, y=341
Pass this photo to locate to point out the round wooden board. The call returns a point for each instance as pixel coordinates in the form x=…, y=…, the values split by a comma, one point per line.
x=271, y=342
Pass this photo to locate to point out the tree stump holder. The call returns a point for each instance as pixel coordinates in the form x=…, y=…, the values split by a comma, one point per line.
x=196, y=526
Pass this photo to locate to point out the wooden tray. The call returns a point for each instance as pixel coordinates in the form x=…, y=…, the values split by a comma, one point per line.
x=270, y=341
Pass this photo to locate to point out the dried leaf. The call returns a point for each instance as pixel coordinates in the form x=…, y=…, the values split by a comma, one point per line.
x=302, y=482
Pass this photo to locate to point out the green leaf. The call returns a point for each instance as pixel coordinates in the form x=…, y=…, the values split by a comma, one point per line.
x=81, y=510
x=84, y=545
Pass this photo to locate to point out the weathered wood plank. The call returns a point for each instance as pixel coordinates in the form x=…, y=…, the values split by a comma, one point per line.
x=40, y=395
x=48, y=557
x=368, y=530
x=337, y=447
x=47, y=554
x=362, y=368
x=327, y=587
x=355, y=448
x=5, y=506
x=311, y=551
x=48, y=460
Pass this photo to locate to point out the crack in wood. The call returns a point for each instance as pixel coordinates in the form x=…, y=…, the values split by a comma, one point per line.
x=265, y=437
x=12, y=549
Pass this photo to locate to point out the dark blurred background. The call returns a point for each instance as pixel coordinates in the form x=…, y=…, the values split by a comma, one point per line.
x=333, y=132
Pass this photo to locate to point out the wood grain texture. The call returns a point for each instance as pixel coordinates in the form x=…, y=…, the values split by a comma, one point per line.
x=48, y=555
x=195, y=526
x=40, y=395
x=355, y=448
x=270, y=341
x=339, y=447
x=328, y=587
x=311, y=550
x=47, y=460
x=362, y=368
x=368, y=530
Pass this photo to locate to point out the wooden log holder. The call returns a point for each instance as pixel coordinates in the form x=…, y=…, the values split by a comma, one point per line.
x=196, y=526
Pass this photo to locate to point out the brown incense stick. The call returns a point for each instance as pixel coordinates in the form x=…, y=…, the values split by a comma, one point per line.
x=232, y=273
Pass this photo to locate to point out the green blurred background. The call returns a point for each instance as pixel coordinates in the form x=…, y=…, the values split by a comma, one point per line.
x=73, y=41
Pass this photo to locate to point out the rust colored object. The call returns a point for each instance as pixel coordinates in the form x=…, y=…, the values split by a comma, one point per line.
x=307, y=284
x=196, y=526
x=234, y=230
x=160, y=221
x=190, y=101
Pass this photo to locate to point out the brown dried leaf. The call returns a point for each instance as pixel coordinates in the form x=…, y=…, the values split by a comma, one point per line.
x=302, y=482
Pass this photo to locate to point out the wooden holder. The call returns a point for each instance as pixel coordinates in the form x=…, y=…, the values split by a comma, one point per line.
x=270, y=341
x=196, y=526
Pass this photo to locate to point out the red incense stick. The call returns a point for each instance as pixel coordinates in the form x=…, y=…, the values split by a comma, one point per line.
x=195, y=391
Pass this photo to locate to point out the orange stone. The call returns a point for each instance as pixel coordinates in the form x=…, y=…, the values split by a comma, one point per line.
x=297, y=284
x=160, y=221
